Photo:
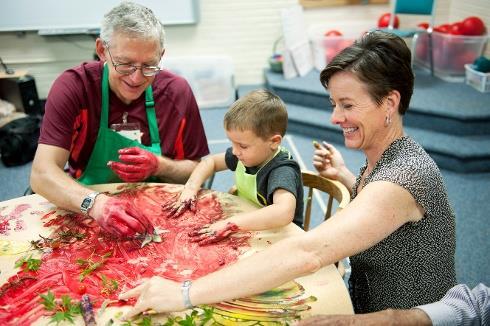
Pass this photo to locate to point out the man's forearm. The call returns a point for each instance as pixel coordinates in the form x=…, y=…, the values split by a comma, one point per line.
x=411, y=317
x=175, y=171
x=59, y=188
x=390, y=317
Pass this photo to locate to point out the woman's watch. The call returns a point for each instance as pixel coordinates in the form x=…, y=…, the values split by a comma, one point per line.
x=88, y=202
x=186, y=286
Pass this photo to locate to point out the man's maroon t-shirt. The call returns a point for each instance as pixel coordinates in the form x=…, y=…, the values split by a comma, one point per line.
x=73, y=108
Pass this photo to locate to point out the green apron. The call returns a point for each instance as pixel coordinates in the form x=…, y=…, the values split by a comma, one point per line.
x=246, y=184
x=109, y=142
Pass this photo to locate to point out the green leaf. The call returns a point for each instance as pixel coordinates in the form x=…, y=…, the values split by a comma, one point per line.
x=188, y=321
x=147, y=240
x=82, y=261
x=146, y=321
x=31, y=264
x=207, y=315
x=19, y=262
x=115, y=284
x=109, y=285
x=48, y=301
x=57, y=318
x=155, y=237
x=65, y=301
x=64, y=309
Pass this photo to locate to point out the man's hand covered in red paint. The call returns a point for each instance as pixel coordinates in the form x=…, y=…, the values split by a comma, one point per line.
x=213, y=233
x=136, y=164
x=186, y=201
x=121, y=218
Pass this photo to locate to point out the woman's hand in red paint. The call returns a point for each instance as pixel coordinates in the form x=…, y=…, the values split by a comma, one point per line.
x=136, y=164
x=157, y=293
x=186, y=201
x=119, y=217
x=213, y=233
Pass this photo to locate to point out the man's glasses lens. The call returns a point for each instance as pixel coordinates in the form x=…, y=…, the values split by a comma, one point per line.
x=127, y=69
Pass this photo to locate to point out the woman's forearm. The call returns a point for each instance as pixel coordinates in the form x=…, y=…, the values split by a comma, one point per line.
x=274, y=266
x=347, y=178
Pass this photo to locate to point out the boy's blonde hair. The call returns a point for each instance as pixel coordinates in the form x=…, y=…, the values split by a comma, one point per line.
x=260, y=111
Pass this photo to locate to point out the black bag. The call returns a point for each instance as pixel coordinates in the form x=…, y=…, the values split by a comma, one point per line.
x=18, y=140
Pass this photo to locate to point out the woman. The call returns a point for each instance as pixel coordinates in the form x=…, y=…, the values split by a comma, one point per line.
x=398, y=228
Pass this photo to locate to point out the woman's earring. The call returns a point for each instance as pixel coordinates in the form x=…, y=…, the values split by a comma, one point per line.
x=387, y=120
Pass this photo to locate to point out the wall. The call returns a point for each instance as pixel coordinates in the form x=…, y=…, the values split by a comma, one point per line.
x=243, y=29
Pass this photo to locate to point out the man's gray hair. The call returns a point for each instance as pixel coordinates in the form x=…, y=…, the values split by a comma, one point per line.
x=134, y=20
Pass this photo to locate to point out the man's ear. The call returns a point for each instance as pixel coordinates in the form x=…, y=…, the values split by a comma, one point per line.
x=100, y=49
x=161, y=59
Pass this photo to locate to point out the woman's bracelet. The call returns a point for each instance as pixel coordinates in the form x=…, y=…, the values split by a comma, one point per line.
x=186, y=285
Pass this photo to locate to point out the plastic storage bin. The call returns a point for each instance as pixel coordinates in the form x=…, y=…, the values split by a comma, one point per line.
x=325, y=48
x=477, y=79
x=450, y=53
x=210, y=77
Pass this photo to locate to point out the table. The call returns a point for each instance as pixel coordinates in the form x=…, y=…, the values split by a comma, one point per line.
x=30, y=218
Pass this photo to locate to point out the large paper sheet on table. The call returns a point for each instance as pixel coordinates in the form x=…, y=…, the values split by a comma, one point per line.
x=76, y=258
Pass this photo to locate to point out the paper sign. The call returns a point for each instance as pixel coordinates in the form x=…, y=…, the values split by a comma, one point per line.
x=296, y=43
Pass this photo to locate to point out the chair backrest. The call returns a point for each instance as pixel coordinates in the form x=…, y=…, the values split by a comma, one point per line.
x=334, y=189
x=413, y=7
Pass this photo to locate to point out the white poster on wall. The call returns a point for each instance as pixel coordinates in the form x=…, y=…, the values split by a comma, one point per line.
x=297, y=56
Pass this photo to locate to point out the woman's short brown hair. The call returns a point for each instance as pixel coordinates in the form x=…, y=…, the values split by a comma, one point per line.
x=380, y=60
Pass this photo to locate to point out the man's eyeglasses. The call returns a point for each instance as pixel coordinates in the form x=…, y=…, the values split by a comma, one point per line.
x=128, y=69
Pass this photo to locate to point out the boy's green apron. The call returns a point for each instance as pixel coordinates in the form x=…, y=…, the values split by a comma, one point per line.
x=109, y=142
x=246, y=184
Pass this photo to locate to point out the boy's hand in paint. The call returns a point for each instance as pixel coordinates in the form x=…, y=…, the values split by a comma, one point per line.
x=186, y=201
x=327, y=160
x=213, y=233
x=119, y=217
x=136, y=164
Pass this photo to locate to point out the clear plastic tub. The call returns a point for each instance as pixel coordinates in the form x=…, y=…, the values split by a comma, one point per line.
x=450, y=53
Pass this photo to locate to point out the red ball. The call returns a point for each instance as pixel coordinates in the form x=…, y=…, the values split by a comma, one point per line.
x=473, y=26
x=444, y=28
x=333, y=32
x=456, y=28
x=384, y=20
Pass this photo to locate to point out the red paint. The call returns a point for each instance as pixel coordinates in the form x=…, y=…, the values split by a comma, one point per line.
x=13, y=220
x=176, y=258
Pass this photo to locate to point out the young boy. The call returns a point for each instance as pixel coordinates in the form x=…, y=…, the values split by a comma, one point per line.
x=265, y=173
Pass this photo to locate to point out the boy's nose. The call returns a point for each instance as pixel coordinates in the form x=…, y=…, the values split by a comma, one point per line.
x=235, y=150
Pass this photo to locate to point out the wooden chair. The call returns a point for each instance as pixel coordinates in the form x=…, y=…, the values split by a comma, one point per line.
x=333, y=188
